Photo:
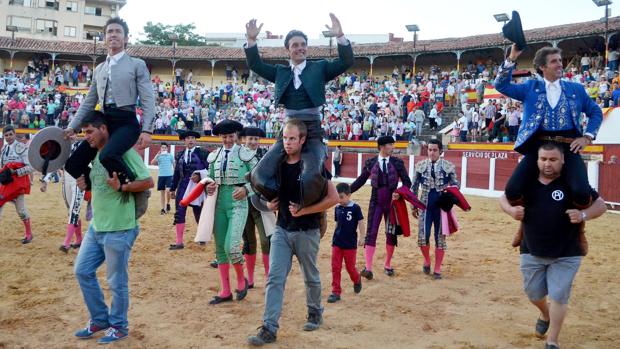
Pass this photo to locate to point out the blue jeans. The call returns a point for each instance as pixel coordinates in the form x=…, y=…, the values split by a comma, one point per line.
x=285, y=244
x=114, y=248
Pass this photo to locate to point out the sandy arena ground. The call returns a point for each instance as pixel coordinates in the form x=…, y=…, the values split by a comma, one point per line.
x=479, y=303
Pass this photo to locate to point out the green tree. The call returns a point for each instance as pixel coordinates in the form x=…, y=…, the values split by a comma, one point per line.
x=159, y=34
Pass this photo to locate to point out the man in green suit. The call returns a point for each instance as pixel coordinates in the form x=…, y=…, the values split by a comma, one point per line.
x=300, y=87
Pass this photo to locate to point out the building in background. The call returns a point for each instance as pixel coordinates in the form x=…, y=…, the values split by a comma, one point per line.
x=66, y=20
x=267, y=39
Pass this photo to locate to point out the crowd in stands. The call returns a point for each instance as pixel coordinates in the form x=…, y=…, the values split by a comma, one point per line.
x=358, y=106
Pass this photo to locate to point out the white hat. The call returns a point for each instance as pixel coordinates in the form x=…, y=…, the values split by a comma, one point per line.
x=49, y=150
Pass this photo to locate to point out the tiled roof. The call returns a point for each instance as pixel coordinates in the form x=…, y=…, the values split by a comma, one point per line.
x=559, y=32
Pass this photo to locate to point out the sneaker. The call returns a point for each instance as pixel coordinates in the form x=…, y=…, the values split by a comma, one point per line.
x=314, y=322
x=64, y=248
x=89, y=330
x=357, y=288
x=263, y=336
x=176, y=247
x=367, y=274
x=142, y=202
x=112, y=335
x=541, y=328
x=333, y=298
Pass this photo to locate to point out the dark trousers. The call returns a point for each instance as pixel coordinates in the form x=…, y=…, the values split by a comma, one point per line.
x=337, y=168
x=124, y=131
x=463, y=136
x=265, y=175
x=574, y=171
x=432, y=217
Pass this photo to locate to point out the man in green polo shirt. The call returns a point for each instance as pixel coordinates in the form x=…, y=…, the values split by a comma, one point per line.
x=111, y=235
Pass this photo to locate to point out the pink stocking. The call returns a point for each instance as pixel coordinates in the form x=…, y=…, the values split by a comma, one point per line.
x=266, y=264
x=250, y=261
x=69, y=236
x=240, y=277
x=427, y=255
x=389, y=252
x=439, y=253
x=369, y=253
x=180, y=229
x=224, y=279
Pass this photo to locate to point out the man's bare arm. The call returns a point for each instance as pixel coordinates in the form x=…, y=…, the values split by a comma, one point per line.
x=330, y=200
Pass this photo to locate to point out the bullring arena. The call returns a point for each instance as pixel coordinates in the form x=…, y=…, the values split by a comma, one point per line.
x=478, y=304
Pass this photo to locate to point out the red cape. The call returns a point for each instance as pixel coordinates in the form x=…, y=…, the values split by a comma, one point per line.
x=398, y=211
x=19, y=185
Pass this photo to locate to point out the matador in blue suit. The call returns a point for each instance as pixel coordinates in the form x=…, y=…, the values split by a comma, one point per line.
x=553, y=111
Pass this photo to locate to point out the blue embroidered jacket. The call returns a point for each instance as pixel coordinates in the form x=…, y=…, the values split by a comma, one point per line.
x=538, y=114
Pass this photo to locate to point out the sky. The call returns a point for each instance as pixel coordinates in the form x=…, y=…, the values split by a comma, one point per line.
x=436, y=18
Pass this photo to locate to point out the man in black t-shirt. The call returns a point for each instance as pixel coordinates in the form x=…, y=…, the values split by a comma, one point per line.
x=297, y=233
x=550, y=250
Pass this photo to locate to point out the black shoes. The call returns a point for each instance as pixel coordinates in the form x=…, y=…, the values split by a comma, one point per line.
x=367, y=274
x=64, y=249
x=426, y=269
x=213, y=264
x=388, y=271
x=357, y=288
x=241, y=294
x=218, y=299
x=176, y=247
x=26, y=240
x=333, y=298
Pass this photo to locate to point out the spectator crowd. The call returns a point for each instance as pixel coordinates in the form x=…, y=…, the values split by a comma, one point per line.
x=404, y=104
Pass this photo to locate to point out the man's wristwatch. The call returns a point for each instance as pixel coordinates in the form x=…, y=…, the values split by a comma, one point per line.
x=588, y=137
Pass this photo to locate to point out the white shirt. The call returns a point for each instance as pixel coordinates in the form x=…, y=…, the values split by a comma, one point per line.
x=380, y=159
x=113, y=60
x=188, y=154
x=463, y=123
x=554, y=91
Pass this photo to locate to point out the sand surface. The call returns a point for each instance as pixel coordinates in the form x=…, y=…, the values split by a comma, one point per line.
x=479, y=303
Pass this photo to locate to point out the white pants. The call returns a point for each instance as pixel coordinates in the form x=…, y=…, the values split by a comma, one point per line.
x=20, y=207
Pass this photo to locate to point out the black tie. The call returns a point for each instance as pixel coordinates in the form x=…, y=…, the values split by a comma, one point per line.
x=188, y=159
x=433, y=170
x=225, y=163
x=384, y=166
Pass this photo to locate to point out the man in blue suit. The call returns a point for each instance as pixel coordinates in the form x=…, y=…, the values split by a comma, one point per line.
x=300, y=87
x=553, y=111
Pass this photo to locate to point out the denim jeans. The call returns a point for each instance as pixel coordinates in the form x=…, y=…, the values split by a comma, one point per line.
x=285, y=244
x=114, y=248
